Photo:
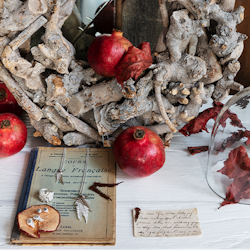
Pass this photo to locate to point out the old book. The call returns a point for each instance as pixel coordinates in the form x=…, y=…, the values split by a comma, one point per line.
x=41, y=173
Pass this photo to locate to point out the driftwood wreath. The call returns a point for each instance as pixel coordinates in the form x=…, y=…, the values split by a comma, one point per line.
x=195, y=59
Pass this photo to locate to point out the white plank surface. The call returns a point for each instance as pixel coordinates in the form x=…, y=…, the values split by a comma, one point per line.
x=181, y=183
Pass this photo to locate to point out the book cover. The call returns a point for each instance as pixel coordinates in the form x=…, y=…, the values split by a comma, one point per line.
x=41, y=173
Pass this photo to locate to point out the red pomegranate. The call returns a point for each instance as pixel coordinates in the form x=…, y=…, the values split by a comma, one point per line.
x=139, y=151
x=8, y=102
x=13, y=134
x=106, y=51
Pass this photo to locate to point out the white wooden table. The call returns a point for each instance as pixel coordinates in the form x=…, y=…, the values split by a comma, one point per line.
x=181, y=183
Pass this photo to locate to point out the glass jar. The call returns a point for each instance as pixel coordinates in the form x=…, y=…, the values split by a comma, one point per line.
x=228, y=170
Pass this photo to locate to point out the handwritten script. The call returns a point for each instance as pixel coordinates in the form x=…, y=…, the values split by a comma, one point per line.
x=166, y=223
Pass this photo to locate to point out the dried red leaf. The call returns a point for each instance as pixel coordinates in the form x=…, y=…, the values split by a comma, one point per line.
x=137, y=213
x=199, y=123
x=247, y=134
x=239, y=189
x=226, y=202
x=235, y=121
x=237, y=166
x=196, y=150
x=134, y=62
x=96, y=190
x=99, y=184
x=236, y=136
x=227, y=143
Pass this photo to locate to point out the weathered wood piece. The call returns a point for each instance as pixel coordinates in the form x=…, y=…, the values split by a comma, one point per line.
x=226, y=38
x=56, y=91
x=56, y=119
x=77, y=124
x=56, y=52
x=198, y=96
x=22, y=17
x=76, y=139
x=187, y=70
x=179, y=35
x=19, y=66
x=66, y=7
x=227, y=83
x=227, y=5
x=190, y=6
x=214, y=69
x=95, y=96
x=23, y=100
x=48, y=130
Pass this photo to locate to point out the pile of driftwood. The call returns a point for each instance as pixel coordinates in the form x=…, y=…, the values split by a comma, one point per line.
x=195, y=59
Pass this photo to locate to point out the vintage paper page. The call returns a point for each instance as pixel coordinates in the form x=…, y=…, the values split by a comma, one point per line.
x=166, y=223
x=100, y=227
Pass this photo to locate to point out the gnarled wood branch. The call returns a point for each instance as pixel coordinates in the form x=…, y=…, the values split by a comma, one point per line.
x=48, y=130
x=179, y=35
x=56, y=52
x=23, y=100
x=188, y=4
x=56, y=119
x=95, y=96
x=214, y=70
x=227, y=5
x=198, y=96
x=224, y=85
x=226, y=38
x=189, y=69
x=20, y=66
x=56, y=91
x=77, y=139
x=22, y=17
x=77, y=124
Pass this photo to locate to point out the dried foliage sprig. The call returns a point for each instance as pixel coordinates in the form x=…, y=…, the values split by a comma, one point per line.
x=98, y=184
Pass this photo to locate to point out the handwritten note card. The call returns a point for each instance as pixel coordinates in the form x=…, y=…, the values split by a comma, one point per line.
x=166, y=223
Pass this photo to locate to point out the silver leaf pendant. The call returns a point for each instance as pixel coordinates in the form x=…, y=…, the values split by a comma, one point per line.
x=82, y=207
x=59, y=174
x=59, y=177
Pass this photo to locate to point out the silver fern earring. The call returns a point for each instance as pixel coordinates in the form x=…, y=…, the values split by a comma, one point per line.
x=59, y=174
x=81, y=203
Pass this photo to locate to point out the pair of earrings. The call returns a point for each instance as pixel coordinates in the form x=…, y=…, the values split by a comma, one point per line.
x=30, y=221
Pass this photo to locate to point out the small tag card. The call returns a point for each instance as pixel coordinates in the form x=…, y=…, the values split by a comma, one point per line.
x=166, y=223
